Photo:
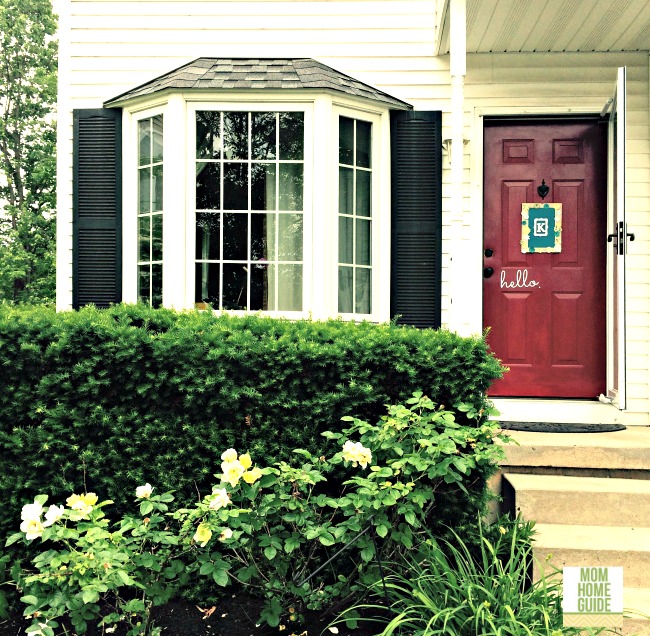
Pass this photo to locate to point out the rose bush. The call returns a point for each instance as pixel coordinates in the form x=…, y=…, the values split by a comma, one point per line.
x=94, y=571
x=296, y=535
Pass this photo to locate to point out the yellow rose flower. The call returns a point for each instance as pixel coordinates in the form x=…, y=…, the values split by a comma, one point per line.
x=82, y=504
x=72, y=501
x=229, y=455
x=232, y=472
x=246, y=460
x=90, y=498
x=251, y=476
x=203, y=534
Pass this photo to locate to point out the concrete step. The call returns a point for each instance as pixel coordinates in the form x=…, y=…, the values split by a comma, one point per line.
x=638, y=600
x=563, y=545
x=620, y=450
x=635, y=627
x=594, y=501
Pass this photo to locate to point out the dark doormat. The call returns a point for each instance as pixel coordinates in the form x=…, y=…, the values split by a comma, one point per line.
x=549, y=427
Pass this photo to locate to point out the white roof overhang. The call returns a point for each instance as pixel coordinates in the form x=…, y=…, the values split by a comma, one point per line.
x=549, y=26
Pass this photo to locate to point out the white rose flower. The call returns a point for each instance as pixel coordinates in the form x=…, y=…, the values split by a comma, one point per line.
x=229, y=455
x=356, y=453
x=52, y=515
x=33, y=528
x=31, y=511
x=143, y=492
x=220, y=499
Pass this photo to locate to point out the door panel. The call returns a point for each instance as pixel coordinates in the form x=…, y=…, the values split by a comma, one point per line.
x=546, y=311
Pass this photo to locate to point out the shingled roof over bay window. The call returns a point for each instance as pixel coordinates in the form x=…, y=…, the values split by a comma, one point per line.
x=209, y=74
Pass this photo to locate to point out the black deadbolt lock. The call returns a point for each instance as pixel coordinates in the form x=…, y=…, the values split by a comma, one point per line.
x=489, y=252
x=487, y=272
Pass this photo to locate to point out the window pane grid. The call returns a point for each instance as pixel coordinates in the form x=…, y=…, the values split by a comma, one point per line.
x=355, y=211
x=150, y=210
x=249, y=260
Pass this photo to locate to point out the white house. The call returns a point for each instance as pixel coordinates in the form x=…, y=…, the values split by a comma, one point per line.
x=373, y=158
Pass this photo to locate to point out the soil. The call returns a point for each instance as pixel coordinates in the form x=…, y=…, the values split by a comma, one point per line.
x=233, y=616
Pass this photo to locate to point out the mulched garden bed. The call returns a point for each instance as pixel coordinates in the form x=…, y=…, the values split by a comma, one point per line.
x=232, y=616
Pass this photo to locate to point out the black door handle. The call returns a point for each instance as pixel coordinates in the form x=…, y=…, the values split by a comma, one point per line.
x=487, y=272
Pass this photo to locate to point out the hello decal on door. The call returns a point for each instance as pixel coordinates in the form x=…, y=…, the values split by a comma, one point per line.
x=518, y=280
x=541, y=227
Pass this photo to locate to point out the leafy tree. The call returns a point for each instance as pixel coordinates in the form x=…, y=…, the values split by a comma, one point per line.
x=28, y=65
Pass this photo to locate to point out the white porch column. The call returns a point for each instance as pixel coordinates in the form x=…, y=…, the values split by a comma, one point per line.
x=457, y=69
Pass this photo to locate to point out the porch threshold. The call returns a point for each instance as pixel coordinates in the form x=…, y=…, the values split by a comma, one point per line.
x=561, y=411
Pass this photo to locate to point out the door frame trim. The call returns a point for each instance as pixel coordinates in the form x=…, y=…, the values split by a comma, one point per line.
x=474, y=230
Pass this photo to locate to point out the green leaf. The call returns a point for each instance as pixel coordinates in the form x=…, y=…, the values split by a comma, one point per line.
x=220, y=577
x=17, y=536
x=206, y=568
x=124, y=577
x=410, y=518
x=29, y=599
x=368, y=553
x=326, y=539
x=381, y=531
x=291, y=544
x=146, y=507
x=246, y=574
x=270, y=552
x=352, y=619
x=90, y=595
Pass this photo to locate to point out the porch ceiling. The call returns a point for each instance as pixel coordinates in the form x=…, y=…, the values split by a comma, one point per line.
x=511, y=26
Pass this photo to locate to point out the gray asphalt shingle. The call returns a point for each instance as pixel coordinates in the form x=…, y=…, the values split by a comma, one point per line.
x=257, y=74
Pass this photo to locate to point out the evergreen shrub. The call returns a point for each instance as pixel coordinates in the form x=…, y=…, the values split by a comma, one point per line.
x=104, y=399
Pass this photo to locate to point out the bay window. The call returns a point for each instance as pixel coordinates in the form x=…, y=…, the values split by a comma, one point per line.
x=278, y=206
x=286, y=187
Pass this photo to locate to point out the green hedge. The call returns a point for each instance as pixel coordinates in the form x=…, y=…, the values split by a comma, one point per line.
x=116, y=398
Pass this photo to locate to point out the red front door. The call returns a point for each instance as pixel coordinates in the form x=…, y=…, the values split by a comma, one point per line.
x=546, y=311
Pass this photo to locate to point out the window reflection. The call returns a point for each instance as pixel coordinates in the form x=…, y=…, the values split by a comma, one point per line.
x=355, y=210
x=150, y=210
x=249, y=247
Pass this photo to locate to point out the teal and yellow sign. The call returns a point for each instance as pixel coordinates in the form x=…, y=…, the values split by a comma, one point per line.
x=541, y=227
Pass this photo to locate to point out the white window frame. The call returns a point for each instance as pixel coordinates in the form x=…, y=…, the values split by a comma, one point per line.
x=247, y=107
x=380, y=212
x=130, y=204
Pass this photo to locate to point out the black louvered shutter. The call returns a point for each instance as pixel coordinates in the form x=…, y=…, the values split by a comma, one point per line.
x=97, y=207
x=416, y=157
